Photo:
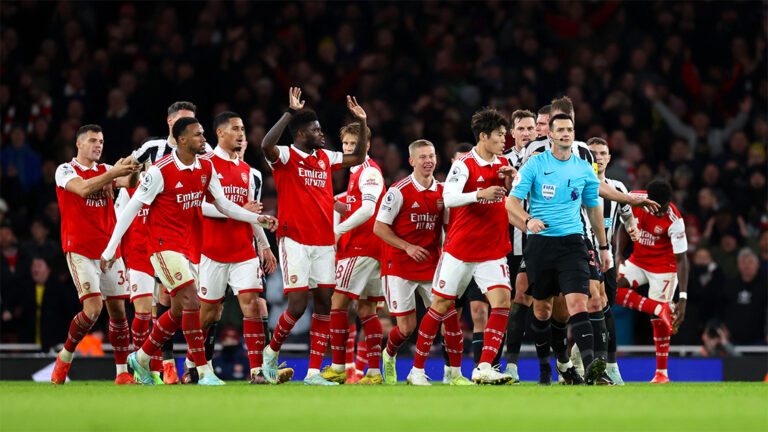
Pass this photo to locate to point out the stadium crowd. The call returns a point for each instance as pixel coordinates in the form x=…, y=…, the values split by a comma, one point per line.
x=642, y=75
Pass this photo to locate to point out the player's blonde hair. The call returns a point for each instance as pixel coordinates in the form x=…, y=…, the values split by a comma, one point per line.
x=521, y=114
x=419, y=143
x=354, y=129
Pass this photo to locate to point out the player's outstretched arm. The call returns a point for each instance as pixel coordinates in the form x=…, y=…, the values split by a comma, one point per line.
x=358, y=156
x=384, y=231
x=124, y=220
x=610, y=193
x=84, y=188
x=269, y=143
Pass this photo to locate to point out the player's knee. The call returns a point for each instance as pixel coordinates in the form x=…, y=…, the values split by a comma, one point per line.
x=622, y=282
x=595, y=304
x=441, y=304
x=407, y=329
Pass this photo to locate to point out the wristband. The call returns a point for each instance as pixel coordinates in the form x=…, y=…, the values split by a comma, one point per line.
x=528, y=220
x=603, y=247
x=683, y=296
x=290, y=111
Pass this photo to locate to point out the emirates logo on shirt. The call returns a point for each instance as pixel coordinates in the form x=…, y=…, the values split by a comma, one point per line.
x=244, y=177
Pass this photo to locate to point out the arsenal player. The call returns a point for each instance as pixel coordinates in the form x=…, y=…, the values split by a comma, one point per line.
x=476, y=245
x=302, y=175
x=358, y=270
x=87, y=219
x=410, y=221
x=658, y=259
x=175, y=188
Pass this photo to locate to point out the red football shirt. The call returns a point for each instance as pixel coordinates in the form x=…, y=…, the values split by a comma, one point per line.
x=234, y=176
x=660, y=239
x=305, y=194
x=478, y=231
x=86, y=223
x=415, y=214
x=134, y=242
x=361, y=241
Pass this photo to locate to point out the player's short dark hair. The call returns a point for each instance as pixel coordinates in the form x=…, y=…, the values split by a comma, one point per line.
x=488, y=120
x=301, y=119
x=545, y=110
x=563, y=104
x=87, y=128
x=181, y=105
x=659, y=191
x=597, y=141
x=521, y=114
x=463, y=147
x=223, y=118
x=559, y=117
x=354, y=129
x=181, y=125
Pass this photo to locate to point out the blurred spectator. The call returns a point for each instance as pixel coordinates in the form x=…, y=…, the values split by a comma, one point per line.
x=715, y=342
x=19, y=161
x=747, y=301
x=40, y=244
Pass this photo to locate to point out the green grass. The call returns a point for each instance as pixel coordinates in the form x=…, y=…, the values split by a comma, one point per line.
x=102, y=406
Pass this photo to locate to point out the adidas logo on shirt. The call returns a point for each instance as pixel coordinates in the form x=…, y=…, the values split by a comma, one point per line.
x=415, y=205
x=480, y=179
x=221, y=177
x=178, y=185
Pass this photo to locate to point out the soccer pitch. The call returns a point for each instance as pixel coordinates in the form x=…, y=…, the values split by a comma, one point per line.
x=102, y=406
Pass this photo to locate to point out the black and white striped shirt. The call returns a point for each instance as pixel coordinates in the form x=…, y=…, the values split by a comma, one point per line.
x=542, y=144
x=517, y=237
x=154, y=150
x=614, y=213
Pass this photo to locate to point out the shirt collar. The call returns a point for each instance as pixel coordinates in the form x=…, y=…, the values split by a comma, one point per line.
x=220, y=152
x=181, y=166
x=301, y=153
x=85, y=168
x=482, y=162
x=357, y=167
x=421, y=188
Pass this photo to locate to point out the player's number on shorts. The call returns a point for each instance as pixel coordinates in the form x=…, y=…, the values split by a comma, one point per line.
x=505, y=270
x=121, y=277
x=339, y=271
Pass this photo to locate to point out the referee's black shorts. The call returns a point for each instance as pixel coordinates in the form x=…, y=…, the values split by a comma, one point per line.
x=556, y=264
x=611, y=286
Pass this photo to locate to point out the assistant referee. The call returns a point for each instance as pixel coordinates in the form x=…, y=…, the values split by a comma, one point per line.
x=556, y=256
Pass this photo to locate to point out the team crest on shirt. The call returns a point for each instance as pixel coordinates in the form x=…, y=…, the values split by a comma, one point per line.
x=440, y=204
x=178, y=276
x=658, y=229
x=321, y=164
x=548, y=191
x=203, y=179
x=244, y=177
x=294, y=278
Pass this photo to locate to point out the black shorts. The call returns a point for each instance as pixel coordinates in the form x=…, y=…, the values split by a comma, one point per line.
x=556, y=264
x=514, y=262
x=522, y=269
x=610, y=285
x=594, y=262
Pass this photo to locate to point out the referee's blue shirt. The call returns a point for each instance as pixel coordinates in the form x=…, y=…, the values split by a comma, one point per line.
x=557, y=190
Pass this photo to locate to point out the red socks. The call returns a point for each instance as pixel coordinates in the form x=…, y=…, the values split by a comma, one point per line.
x=140, y=328
x=190, y=324
x=318, y=339
x=361, y=361
x=395, y=340
x=627, y=297
x=339, y=334
x=120, y=338
x=349, y=356
x=454, y=338
x=494, y=334
x=165, y=327
x=253, y=333
x=661, y=336
x=427, y=331
x=78, y=328
x=156, y=361
x=284, y=326
x=373, y=335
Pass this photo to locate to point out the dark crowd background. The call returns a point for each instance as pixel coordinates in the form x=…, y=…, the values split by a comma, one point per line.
x=679, y=90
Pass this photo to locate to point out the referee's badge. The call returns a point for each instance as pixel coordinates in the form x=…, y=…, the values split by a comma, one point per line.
x=548, y=191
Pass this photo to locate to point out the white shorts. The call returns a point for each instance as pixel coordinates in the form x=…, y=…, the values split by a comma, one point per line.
x=401, y=294
x=142, y=284
x=90, y=281
x=242, y=277
x=453, y=275
x=360, y=278
x=306, y=267
x=661, y=286
x=174, y=270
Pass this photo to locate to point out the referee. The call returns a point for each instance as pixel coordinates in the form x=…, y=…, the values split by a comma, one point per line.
x=555, y=254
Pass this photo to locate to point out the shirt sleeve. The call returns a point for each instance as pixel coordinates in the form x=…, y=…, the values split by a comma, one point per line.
x=453, y=190
x=371, y=184
x=390, y=206
x=625, y=210
x=282, y=158
x=214, y=186
x=142, y=153
x=64, y=173
x=256, y=183
x=590, y=195
x=676, y=233
x=150, y=186
x=336, y=158
x=523, y=181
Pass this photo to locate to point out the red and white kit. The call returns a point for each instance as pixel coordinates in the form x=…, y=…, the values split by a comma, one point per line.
x=228, y=254
x=135, y=251
x=86, y=226
x=653, y=257
x=358, y=253
x=305, y=215
x=417, y=215
x=477, y=240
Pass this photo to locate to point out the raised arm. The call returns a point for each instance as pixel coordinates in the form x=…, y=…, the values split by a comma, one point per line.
x=269, y=143
x=67, y=178
x=234, y=211
x=358, y=156
x=610, y=193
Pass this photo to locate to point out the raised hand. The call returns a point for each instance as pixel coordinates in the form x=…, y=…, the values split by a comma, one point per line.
x=294, y=99
x=355, y=108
